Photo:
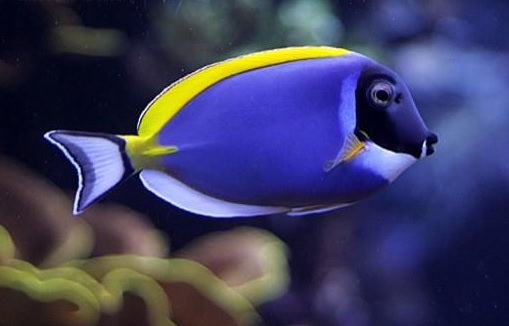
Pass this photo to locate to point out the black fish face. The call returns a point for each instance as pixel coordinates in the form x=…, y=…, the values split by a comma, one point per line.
x=386, y=114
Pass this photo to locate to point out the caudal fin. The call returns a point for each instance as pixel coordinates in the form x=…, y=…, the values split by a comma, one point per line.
x=100, y=160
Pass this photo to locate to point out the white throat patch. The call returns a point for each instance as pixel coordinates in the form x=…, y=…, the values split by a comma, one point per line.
x=383, y=162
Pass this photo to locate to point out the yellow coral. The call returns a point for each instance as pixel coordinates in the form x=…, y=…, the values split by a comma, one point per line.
x=6, y=245
x=96, y=287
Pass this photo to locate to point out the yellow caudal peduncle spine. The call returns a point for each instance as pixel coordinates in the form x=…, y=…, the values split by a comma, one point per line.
x=146, y=152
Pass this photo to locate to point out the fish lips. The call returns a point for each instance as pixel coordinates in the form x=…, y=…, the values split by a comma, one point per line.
x=421, y=149
x=428, y=149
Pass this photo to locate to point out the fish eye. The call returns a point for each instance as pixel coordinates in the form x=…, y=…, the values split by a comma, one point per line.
x=380, y=93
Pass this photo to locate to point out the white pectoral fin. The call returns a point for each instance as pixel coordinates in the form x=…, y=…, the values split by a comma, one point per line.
x=351, y=148
x=315, y=209
x=181, y=195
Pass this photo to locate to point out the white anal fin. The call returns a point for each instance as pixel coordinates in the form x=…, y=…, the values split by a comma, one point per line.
x=317, y=209
x=352, y=147
x=181, y=195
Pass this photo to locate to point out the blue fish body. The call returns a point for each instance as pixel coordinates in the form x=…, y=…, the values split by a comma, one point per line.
x=262, y=137
x=282, y=136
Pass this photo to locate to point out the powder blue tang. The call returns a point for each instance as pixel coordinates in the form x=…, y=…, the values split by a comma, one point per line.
x=295, y=130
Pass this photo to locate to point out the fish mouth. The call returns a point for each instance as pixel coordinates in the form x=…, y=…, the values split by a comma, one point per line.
x=427, y=145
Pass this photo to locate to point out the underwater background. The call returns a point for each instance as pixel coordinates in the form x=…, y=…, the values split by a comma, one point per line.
x=431, y=249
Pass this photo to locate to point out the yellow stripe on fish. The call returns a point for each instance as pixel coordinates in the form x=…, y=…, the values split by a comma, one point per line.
x=164, y=106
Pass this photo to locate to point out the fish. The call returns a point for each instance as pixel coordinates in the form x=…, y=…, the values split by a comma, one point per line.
x=296, y=130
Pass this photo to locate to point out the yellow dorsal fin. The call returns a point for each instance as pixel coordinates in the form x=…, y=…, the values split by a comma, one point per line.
x=164, y=106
